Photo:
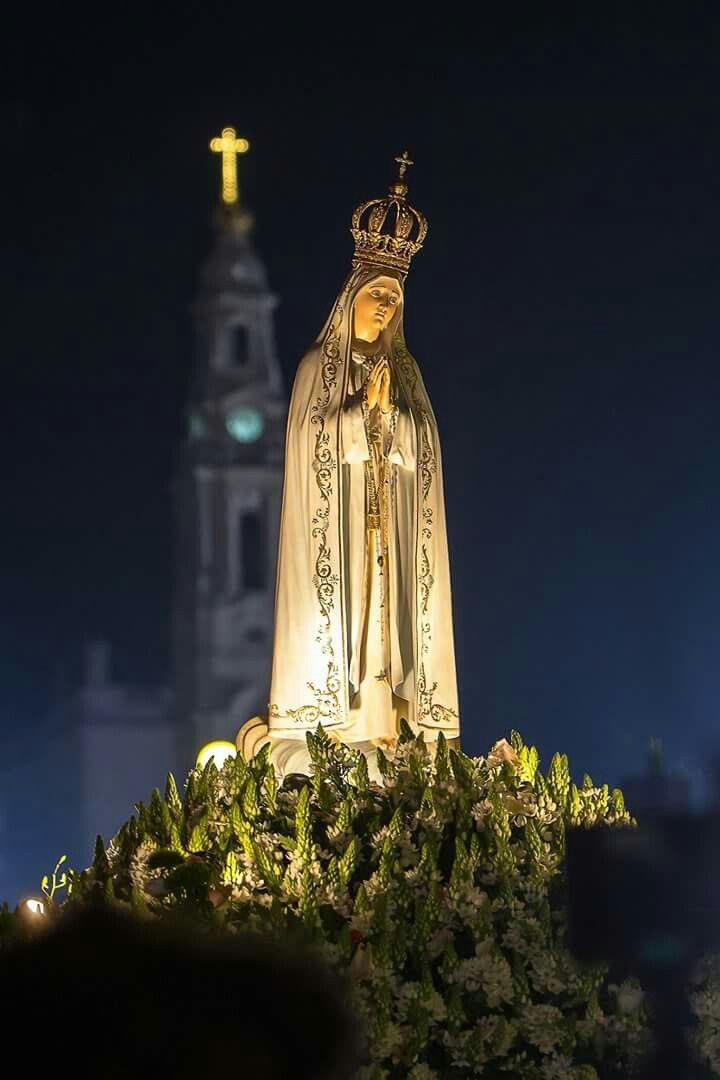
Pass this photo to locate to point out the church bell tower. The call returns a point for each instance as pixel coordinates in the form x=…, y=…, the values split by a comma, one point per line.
x=228, y=485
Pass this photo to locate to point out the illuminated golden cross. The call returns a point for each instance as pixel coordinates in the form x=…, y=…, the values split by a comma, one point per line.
x=403, y=161
x=229, y=146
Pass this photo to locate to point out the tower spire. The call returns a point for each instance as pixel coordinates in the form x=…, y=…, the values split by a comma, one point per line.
x=228, y=481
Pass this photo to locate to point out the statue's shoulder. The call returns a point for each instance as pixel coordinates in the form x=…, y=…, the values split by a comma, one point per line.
x=311, y=377
x=317, y=358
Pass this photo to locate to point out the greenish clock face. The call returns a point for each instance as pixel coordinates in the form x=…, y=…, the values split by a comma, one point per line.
x=244, y=424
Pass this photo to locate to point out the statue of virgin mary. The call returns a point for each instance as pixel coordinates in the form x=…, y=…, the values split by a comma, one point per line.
x=363, y=616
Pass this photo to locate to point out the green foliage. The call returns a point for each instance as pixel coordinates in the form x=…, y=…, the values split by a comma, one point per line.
x=439, y=891
x=57, y=881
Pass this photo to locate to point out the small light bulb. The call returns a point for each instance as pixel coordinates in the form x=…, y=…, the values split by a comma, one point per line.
x=219, y=751
x=35, y=907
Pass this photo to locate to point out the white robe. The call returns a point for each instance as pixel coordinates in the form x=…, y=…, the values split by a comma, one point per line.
x=323, y=643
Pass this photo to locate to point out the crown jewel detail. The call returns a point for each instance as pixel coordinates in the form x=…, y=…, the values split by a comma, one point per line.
x=388, y=232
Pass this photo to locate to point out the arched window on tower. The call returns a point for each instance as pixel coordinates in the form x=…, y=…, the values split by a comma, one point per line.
x=239, y=346
x=253, y=550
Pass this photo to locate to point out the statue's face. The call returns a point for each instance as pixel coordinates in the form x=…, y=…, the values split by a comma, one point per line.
x=375, y=305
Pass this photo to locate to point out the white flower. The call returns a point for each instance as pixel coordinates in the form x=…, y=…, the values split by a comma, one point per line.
x=422, y=1072
x=544, y=973
x=501, y=753
x=389, y=1042
x=629, y=997
x=543, y=1026
x=473, y=899
x=439, y=940
x=361, y=923
x=436, y=1006
x=557, y=1067
x=489, y=973
x=409, y=854
x=497, y=1035
x=522, y=805
x=329, y=953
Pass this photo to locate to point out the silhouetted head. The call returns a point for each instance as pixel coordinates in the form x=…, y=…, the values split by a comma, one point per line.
x=125, y=998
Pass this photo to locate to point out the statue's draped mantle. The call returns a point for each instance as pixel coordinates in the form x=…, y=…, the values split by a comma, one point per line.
x=318, y=573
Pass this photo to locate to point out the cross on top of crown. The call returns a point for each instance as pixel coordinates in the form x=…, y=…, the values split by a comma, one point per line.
x=404, y=161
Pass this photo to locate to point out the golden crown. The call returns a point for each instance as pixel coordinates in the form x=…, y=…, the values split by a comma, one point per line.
x=393, y=231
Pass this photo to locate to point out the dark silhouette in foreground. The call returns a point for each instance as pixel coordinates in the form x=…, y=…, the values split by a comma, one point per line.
x=116, y=997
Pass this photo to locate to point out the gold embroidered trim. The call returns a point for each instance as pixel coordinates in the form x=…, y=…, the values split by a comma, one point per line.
x=427, y=708
x=327, y=708
x=428, y=711
x=426, y=580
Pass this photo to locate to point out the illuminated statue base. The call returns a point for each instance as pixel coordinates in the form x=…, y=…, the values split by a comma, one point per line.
x=292, y=756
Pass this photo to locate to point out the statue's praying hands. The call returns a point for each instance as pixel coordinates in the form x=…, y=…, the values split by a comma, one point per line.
x=378, y=385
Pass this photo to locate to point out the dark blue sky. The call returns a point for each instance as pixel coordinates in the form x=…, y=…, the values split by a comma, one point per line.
x=564, y=312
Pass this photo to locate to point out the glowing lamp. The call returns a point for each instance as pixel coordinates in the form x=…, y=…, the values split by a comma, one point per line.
x=34, y=907
x=218, y=751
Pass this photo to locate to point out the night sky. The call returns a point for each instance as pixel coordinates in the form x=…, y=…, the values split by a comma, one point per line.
x=564, y=312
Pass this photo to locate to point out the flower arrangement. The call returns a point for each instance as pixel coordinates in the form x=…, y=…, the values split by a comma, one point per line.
x=439, y=892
